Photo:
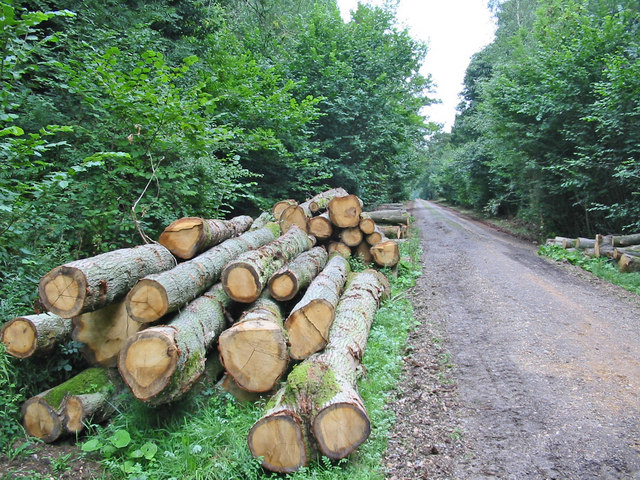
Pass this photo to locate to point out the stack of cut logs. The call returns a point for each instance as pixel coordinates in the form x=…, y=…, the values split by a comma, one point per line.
x=622, y=249
x=157, y=311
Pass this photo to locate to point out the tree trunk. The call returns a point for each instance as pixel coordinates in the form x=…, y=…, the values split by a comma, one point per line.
x=390, y=206
x=603, y=246
x=188, y=236
x=280, y=207
x=583, y=243
x=321, y=201
x=344, y=212
x=261, y=221
x=569, y=243
x=340, y=248
x=35, y=334
x=320, y=393
x=245, y=277
x=625, y=240
x=394, y=217
x=310, y=320
x=156, y=295
x=351, y=237
x=634, y=251
x=104, y=333
x=364, y=252
x=298, y=215
x=88, y=284
x=386, y=253
x=321, y=226
x=44, y=414
x=298, y=274
x=254, y=350
x=162, y=363
x=367, y=224
x=629, y=263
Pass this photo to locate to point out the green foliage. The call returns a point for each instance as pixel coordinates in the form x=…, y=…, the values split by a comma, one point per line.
x=10, y=400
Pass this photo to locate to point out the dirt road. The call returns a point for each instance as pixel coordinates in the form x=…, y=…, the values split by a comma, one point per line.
x=521, y=369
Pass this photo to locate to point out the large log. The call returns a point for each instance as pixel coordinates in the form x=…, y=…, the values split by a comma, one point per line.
x=625, y=240
x=46, y=416
x=188, y=236
x=104, y=333
x=280, y=207
x=156, y=295
x=88, y=284
x=629, y=263
x=298, y=215
x=162, y=363
x=584, y=243
x=351, y=237
x=344, y=212
x=310, y=319
x=395, y=217
x=35, y=334
x=297, y=274
x=254, y=350
x=321, y=201
x=321, y=226
x=245, y=277
x=320, y=393
x=386, y=253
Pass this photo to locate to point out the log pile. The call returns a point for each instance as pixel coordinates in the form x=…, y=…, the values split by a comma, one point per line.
x=151, y=318
x=624, y=250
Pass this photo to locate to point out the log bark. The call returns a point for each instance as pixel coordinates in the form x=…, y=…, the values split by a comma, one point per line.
x=245, y=277
x=310, y=319
x=320, y=394
x=298, y=215
x=390, y=206
x=340, y=248
x=583, y=243
x=625, y=240
x=629, y=263
x=367, y=224
x=386, y=253
x=363, y=251
x=321, y=226
x=344, y=212
x=35, y=334
x=633, y=250
x=156, y=295
x=280, y=207
x=569, y=243
x=104, y=333
x=394, y=217
x=603, y=246
x=188, y=236
x=298, y=274
x=44, y=415
x=321, y=201
x=161, y=363
x=254, y=350
x=263, y=219
x=86, y=285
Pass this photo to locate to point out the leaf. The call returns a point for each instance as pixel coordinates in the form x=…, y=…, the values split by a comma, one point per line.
x=91, y=445
x=120, y=439
x=149, y=450
x=12, y=130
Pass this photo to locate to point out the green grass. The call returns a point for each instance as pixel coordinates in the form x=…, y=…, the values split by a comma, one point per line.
x=204, y=435
x=601, y=267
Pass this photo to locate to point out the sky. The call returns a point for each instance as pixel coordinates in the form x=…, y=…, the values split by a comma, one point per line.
x=454, y=31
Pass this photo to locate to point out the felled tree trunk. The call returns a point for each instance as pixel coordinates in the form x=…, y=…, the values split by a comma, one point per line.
x=386, y=253
x=603, y=246
x=394, y=217
x=321, y=201
x=339, y=247
x=297, y=274
x=344, y=212
x=629, y=263
x=297, y=215
x=625, y=240
x=254, y=350
x=583, y=243
x=320, y=394
x=88, y=284
x=568, y=243
x=44, y=414
x=351, y=237
x=245, y=277
x=390, y=206
x=156, y=295
x=391, y=231
x=321, y=226
x=188, y=236
x=261, y=221
x=311, y=318
x=104, y=332
x=634, y=251
x=280, y=207
x=31, y=334
x=162, y=363
x=367, y=224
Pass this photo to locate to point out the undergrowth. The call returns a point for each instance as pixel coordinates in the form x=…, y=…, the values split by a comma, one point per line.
x=204, y=436
x=601, y=267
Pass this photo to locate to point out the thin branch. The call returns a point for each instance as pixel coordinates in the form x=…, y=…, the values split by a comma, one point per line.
x=145, y=237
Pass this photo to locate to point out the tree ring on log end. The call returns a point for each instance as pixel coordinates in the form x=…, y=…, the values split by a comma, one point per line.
x=41, y=421
x=181, y=237
x=63, y=291
x=308, y=328
x=147, y=301
x=340, y=428
x=19, y=338
x=279, y=440
x=241, y=283
x=283, y=287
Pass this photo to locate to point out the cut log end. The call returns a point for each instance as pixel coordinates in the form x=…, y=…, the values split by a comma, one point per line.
x=341, y=428
x=74, y=414
x=62, y=291
x=308, y=328
x=41, y=421
x=181, y=237
x=283, y=287
x=386, y=254
x=242, y=283
x=279, y=440
x=147, y=301
x=147, y=362
x=255, y=354
x=320, y=227
x=19, y=337
x=345, y=211
x=293, y=215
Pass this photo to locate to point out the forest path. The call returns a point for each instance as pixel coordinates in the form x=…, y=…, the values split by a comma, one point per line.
x=545, y=364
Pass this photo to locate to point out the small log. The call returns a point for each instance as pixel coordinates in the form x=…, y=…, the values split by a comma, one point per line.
x=376, y=237
x=263, y=219
x=298, y=215
x=394, y=217
x=35, y=334
x=391, y=231
x=162, y=363
x=351, y=237
x=86, y=285
x=625, y=240
x=390, y=206
x=583, y=243
x=344, y=212
x=569, y=243
x=363, y=251
x=310, y=319
x=280, y=207
x=553, y=241
x=298, y=274
x=321, y=226
x=603, y=246
x=157, y=295
x=104, y=333
x=629, y=263
x=634, y=251
x=386, y=253
x=367, y=224
x=339, y=247
x=245, y=277
x=321, y=201
x=44, y=415
x=188, y=236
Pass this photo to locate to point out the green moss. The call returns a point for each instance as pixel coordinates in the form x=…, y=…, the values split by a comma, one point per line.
x=274, y=228
x=92, y=380
x=312, y=379
x=192, y=367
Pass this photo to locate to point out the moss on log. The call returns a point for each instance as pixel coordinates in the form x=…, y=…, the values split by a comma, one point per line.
x=261, y=221
x=35, y=334
x=297, y=274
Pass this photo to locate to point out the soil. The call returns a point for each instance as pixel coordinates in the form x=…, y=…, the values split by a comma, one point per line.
x=521, y=368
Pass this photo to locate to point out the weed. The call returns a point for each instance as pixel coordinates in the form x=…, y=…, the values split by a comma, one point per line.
x=62, y=463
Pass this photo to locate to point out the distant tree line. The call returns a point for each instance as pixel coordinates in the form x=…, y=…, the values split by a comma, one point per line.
x=549, y=127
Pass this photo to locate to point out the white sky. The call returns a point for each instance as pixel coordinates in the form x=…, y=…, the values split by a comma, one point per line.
x=454, y=30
